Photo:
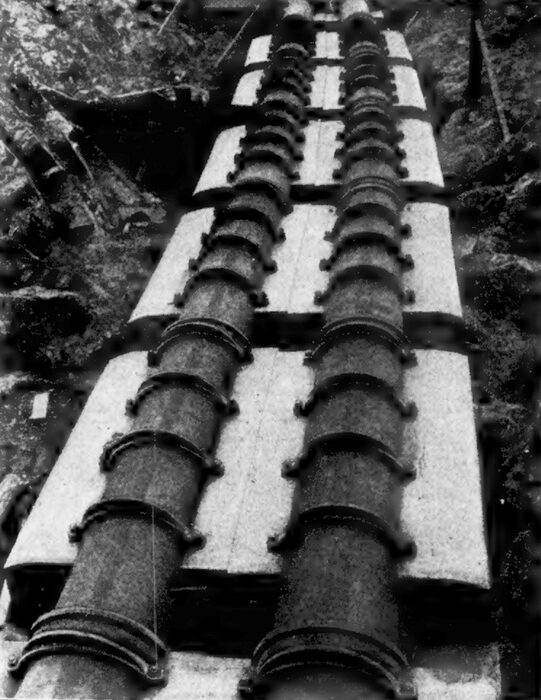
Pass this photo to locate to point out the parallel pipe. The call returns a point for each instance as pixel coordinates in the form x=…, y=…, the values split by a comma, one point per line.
x=336, y=630
x=109, y=628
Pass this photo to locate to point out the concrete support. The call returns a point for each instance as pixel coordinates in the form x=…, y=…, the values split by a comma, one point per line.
x=336, y=485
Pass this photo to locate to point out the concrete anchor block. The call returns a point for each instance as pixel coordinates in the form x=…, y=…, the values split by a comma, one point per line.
x=259, y=50
x=221, y=162
x=327, y=47
x=442, y=509
x=326, y=20
x=316, y=171
x=291, y=289
x=420, y=172
x=351, y=8
x=247, y=89
x=325, y=94
x=421, y=159
x=433, y=276
x=408, y=87
x=172, y=272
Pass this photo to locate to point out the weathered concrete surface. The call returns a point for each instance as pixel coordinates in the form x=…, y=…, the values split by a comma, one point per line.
x=433, y=277
x=5, y=602
x=76, y=480
x=457, y=672
x=319, y=162
x=408, y=87
x=259, y=50
x=325, y=94
x=172, y=273
x=221, y=160
x=327, y=46
x=291, y=289
x=247, y=89
x=421, y=158
x=236, y=512
x=442, y=509
x=201, y=677
x=396, y=45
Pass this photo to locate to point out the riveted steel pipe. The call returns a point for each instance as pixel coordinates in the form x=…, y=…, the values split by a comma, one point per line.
x=109, y=628
x=336, y=630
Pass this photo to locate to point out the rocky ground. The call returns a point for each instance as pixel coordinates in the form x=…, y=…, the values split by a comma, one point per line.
x=496, y=226
x=92, y=241
x=497, y=241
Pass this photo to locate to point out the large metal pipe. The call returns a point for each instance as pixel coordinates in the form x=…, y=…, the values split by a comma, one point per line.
x=107, y=635
x=336, y=630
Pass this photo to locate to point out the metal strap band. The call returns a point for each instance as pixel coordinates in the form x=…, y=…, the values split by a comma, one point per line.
x=184, y=379
x=283, y=649
x=141, y=510
x=223, y=274
x=275, y=134
x=235, y=239
x=343, y=513
x=208, y=328
x=107, y=617
x=366, y=272
x=392, y=246
x=360, y=326
x=76, y=642
x=143, y=438
x=258, y=182
x=330, y=443
x=345, y=382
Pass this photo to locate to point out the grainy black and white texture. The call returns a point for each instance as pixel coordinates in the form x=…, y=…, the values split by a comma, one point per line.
x=269, y=330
